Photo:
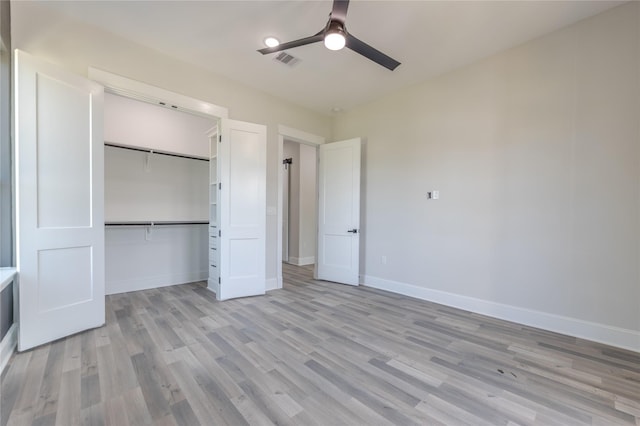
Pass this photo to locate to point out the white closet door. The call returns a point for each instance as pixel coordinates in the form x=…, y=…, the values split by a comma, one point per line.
x=242, y=162
x=339, y=212
x=60, y=202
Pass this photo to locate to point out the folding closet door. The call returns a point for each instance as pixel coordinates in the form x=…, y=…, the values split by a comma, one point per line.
x=59, y=202
x=241, y=162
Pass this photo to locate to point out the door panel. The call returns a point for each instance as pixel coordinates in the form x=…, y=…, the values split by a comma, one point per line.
x=65, y=200
x=54, y=279
x=339, y=212
x=242, y=160
x=59, y=202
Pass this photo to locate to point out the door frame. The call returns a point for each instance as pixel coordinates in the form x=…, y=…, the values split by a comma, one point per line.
x=304, y=138
x=137, y=90
x=133, y=89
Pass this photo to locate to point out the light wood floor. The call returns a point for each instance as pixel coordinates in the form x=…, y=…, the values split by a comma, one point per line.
x=315, y=353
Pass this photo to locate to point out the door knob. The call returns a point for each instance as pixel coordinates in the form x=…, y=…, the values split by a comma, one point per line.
x=353, y=231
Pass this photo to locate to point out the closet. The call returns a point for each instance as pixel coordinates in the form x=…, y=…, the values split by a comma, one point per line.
x=89, y=214
x=156, y=195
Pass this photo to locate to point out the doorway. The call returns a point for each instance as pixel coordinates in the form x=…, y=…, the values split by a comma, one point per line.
x=308, y=142
x=299, y=203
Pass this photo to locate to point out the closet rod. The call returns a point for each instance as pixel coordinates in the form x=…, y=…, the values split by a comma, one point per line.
x=170, y=154
x=158, y=223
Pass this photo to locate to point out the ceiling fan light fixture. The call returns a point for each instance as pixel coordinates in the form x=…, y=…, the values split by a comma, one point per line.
x=334, y=38
x=271, y=42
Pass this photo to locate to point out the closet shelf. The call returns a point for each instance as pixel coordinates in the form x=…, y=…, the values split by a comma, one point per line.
x=158, y=223
x=171, y=154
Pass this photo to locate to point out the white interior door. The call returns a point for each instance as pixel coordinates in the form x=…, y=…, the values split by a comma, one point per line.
x=242, y=161
x=339, y=212
x=59, y=201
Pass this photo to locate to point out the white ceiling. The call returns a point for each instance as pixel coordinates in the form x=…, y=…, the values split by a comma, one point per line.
x=427, y=37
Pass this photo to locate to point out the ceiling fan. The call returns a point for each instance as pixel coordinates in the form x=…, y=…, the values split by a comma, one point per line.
x=335, y=37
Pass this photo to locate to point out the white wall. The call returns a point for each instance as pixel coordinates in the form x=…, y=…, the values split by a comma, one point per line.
x=162, y=188
x=536, y=154
x=308, y=205
x=138, y=258
x=76, y=47
x=134, y=123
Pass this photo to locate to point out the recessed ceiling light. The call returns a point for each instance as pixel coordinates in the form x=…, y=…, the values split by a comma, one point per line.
x=271, y=42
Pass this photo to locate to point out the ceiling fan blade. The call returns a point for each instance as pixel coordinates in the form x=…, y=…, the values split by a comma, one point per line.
x=339, y=11
x=369, y=52
x=296, y=43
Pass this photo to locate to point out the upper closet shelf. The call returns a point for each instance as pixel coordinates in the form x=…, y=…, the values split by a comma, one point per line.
x=153, y=151
x=157, y=223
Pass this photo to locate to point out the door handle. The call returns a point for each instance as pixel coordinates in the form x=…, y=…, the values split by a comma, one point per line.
x=353, y=231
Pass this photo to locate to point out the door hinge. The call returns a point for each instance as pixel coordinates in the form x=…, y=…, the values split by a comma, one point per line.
x=219, y=233
x=219, y=138
x=219, y=280
x=219, y=185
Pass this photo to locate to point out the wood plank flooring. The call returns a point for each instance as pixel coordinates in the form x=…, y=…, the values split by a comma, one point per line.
x=315, y=353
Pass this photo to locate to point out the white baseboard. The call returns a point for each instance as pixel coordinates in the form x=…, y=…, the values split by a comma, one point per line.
x=602, y=333
x=300, y=261
x=8, y=346
x=125, y=286
x=212, y=286
x=272, y=284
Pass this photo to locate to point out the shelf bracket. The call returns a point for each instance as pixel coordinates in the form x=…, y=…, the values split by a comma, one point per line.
x=147, y=161
x=148, y=232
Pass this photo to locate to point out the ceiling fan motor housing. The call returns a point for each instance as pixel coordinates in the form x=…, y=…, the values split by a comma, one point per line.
x=335, y=36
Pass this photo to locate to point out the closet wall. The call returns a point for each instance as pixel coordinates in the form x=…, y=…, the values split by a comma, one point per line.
x=144, y=186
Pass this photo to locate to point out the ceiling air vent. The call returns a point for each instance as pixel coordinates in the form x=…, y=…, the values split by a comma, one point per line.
x=285, y=58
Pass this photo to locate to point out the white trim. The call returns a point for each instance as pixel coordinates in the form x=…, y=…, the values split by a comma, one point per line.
x=7, y=276
x=303, y=138
x=212, y=286
x=300, y=136
x=280, y=212
x=124, y=86
x=602, y=333
x=272, y=284
x=8, y=346
x=300, y=261
x=125, y=286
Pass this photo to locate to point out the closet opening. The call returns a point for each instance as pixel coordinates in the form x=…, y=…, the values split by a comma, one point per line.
x=156, y=195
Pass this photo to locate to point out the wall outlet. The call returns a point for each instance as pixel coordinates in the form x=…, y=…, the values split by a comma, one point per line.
x=433, y=195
